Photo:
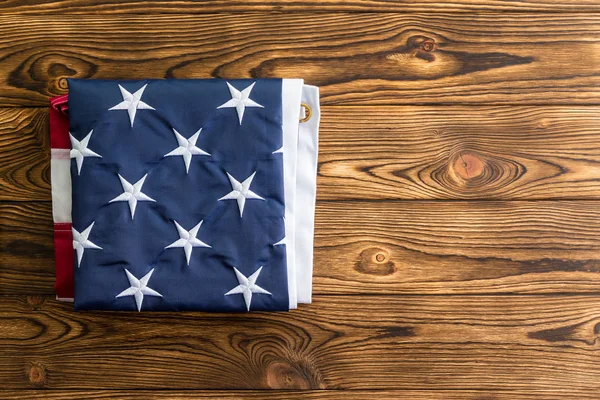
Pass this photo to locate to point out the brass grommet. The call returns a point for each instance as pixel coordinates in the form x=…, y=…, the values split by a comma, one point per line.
x=307, y=112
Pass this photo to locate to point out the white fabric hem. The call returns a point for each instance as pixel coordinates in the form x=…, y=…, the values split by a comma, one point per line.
x=291, y=98
x=306, y=193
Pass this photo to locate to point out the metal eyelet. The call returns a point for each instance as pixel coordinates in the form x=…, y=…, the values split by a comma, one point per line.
x=307, y=112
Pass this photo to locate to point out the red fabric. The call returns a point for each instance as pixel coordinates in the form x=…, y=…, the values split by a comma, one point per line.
x=63, y=253
x=63, y=236
x=59, y=123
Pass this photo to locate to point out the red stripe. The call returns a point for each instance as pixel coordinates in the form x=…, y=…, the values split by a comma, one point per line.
x=63, y=235
x=60, y=103
x=59, y=123
x=64, y=257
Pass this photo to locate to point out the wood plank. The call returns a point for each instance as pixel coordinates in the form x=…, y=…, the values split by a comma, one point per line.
x=27, y=248
x=391, y=247
x=339, y=342
x=396, y=153
x=25, y=154
x=212, y=6
x=525, y=394
x=458, y=152
x=356, y=58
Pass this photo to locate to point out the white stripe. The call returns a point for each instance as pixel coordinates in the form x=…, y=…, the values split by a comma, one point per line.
x=60, y=180
x=291, y=96
x=306, y=193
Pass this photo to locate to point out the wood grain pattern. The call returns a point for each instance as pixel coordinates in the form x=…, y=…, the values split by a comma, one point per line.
x=340, y=342
x=456, y=246
x=396, y=153
x=27, y=248
x=211, y=6
x=459, y=153
x=296, y=394
x=356, y=58
x=25, y=154
x=391, y=247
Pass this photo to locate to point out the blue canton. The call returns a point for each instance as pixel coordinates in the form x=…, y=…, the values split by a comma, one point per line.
x=178, y=197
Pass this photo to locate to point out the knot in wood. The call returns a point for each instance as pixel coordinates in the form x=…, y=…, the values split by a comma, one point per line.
x=420, y=42
x=374, y=261
x=283, y=375
x=474, y=173
x=37, y=375
x=50, y=71
x=35, y=301
x=63, y=84
x=428, y=46
x=468, y=166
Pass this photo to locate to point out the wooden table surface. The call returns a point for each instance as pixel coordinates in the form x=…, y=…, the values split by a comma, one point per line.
x=457, y=244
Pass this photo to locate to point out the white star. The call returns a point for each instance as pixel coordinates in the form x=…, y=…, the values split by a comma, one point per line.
x=132, y=103
x=187, y=148
x=279, y=150
x=132, y=193
x=187, y=240
x=241, y=191
x=139, y=288
x=81, y=242
x=240, y=100
x=247, y=286
x=79, y=150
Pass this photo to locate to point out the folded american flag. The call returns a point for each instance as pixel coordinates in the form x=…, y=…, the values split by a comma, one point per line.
x=186, y=194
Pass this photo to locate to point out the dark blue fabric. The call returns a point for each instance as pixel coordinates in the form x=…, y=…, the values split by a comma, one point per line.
x=138, y=245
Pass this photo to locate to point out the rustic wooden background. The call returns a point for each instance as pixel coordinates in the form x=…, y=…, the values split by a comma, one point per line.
x=458, y=216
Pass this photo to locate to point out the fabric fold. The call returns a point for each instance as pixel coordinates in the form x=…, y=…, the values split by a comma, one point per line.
x=236, y=164
x=60, y=178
